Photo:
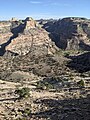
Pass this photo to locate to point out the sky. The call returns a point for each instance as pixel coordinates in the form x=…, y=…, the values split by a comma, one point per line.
x=44, y=9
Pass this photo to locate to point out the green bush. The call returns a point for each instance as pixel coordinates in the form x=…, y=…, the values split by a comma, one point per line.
x=27, y=111
x=66, y=54
x=44, y=85
x=23, y=92
x=81, y=83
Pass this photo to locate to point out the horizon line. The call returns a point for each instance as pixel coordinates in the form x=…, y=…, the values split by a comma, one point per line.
x=45, y=18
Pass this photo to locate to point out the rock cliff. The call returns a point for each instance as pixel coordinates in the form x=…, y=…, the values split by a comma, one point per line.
x=32, y=40
x=25, y=36
x=70, y=33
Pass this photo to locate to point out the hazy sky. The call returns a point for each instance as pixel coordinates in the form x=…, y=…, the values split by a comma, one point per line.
x=44, y=8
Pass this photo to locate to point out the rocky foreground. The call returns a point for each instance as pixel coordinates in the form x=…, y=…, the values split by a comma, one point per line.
x=44, y=75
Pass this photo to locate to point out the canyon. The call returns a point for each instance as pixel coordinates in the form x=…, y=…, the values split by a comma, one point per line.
x=45, y=69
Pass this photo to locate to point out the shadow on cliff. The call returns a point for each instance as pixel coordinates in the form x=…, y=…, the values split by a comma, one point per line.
x=15, y=30
x=84, y=46
x=55, y=30
x=80, y=63
x=55, y=37
x=66, y=109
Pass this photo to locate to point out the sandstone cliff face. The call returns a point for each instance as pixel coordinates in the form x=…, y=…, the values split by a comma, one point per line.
x=70, y=33
x=5, y=26
x=23, y=36
x=26, y=36
x=30, y=23
x=34, y=40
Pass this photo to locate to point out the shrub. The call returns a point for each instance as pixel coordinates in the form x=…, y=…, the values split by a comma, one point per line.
x=40, y=85
x=81, y=83
x=27, y=111
x=66, y=54
x=48, y=85
x=44, y=85
x=23, y=92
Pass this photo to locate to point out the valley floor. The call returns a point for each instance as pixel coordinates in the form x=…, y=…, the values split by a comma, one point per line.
x=65, y=103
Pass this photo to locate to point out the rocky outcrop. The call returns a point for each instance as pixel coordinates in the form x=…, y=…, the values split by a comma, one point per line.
x=34, y=40
x=14, y=19
x=23, y=36
x=30, y=23
x=69, y=33
x=26, y=36
x=5, y=27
